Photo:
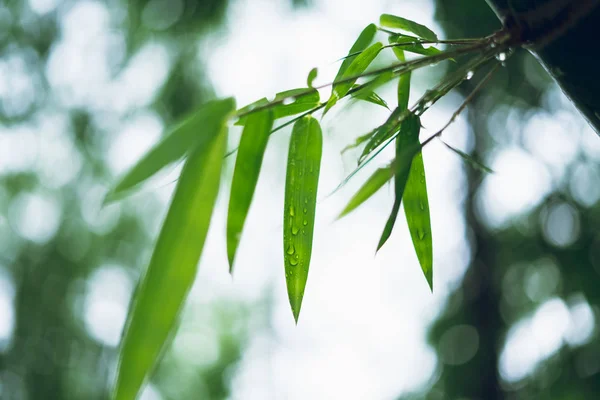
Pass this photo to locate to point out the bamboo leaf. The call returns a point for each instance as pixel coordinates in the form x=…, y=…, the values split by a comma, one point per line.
x=370, y=96
x=358, y=66
x=172, y=268
x=384, y=132
x=416, y=208
x=470, y=160
x=364, y=40
x=395, y=22
x=373, y=184
x=312, y=75
x=247, y=169
x=196, y=131
x=409, y=44
x=285, y=104
x=302, y=179
x=407, y=145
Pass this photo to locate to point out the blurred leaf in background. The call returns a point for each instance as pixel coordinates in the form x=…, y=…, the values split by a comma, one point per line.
x=73, y=76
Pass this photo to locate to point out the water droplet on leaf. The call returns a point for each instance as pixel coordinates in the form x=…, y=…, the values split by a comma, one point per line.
x=469, y=75
x=291, y=249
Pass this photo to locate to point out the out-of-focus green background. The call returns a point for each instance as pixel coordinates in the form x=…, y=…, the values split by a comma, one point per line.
x=87, y=86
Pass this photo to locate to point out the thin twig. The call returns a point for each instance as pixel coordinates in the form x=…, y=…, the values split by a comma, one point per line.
x=467, y=100
x=398, y=68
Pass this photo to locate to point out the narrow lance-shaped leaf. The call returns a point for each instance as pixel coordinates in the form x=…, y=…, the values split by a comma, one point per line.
x=302, y=179
x=290, y=102
x=408, y=137
x=358, y=66
x=407, y=144
x=364, y=40
x=470, y=160
x=390, y=127
x=172, y=268
x=247, y=168
x=371, y=186
x=370, y=96
x=412, y=46
x=312, y=75
x=196, y=131
x=395, y=22
x=416, y=208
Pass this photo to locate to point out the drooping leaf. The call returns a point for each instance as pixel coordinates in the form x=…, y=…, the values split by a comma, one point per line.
x=373, y=184
x=407, y=144
x=197, y=130
x=172, y=268
x=247, y=168
x=364, y=40
x=409, y=44
x=285, y=104
x=395, y=22
x=312, y=75
x=302, y=179
x=470, y=160
x=416, y=208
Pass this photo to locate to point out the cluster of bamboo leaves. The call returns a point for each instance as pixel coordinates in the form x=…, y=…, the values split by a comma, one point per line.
x=201, y=141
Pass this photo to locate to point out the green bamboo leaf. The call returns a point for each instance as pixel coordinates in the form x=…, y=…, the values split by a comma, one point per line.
x=384, y=132
x=302, y=179
x=285, y=104
x=416, y=208
x=364, y=40
x=412, y=46
x=394, y=22
x=407, y=145
x=409, y=135
x=247, y=168
x=196, y=131
x=370, y=96
x=312, y=75
x=172, y=268
x=470, y=160
x=390, y=127
x=373, y=184
x=357, y=67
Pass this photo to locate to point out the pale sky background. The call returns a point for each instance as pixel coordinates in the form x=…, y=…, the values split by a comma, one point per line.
x=361, y=333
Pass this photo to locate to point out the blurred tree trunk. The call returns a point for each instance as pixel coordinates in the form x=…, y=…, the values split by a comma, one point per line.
x=562, y=34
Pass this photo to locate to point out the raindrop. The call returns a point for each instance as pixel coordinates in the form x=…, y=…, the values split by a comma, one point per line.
x=305, y=210
x=295, y=230
x=292, y=211
x=291, y=249
x=469, y=75
x=293, y=262
x=422, y=205
x=421, y=234
x=501, y=56
x=428, y=104
x=306, y=200
x=296, y=256
x=305, y=222
x=288, y=101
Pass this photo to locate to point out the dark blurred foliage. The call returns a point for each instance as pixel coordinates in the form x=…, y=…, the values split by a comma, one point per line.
x=49, y=276
x=517, y=268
